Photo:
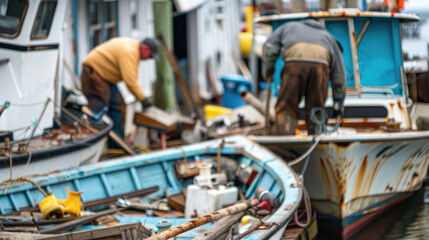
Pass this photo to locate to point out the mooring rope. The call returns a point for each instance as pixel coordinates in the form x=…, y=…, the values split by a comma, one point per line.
x=316, y=140
x=23, y=179
x=318, y=136
x=29, y=159
x=307, y=208
x=26, y=104
x=322, y=131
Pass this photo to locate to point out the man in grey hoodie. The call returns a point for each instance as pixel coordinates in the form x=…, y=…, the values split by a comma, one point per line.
x=312, y=56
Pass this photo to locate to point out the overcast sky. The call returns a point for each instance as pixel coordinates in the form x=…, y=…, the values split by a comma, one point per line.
x=420, y=7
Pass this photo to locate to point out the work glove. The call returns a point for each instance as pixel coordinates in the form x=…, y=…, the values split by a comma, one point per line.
x=338, y=109
x=146, y=103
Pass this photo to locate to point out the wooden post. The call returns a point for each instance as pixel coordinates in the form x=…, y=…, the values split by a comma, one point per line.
x=298, y=6
x=279, y=6
x=190, y=105
x=164, y=85
x=327, y=4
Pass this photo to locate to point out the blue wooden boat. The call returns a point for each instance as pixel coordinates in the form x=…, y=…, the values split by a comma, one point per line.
x=129, y=174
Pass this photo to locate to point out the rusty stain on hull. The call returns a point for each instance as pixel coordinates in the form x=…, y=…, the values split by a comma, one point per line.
x=384, y=168
x=400, y=104
x=327, y=172
x=361, y=175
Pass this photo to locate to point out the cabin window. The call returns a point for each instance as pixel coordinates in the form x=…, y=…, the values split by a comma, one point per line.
x=102, y=17
x=44, y=18
x=12, y=13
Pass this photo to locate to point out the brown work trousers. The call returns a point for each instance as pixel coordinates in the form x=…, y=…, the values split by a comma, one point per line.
x=101, y=94
x=308, y=79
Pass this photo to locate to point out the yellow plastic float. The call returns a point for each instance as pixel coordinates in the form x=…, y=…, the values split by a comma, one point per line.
x=51, y=206
x=213, y=110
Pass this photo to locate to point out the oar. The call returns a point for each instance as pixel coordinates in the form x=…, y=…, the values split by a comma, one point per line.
x=203, y=220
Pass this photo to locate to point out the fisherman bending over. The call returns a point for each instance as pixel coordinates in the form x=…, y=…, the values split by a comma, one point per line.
x=109, y=63
x=312, y=56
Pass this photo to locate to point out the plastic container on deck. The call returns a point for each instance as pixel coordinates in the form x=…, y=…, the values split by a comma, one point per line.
x=205, y=201
x=213, y=110
x=233, y=84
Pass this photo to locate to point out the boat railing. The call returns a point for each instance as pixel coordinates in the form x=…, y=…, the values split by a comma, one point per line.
x=382, y=90
x=379, y=89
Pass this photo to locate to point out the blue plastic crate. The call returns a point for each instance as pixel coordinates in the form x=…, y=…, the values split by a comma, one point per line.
x=233, y=84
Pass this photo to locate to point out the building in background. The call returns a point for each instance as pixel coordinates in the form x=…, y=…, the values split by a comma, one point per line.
x=416, y=47
x=416, y=35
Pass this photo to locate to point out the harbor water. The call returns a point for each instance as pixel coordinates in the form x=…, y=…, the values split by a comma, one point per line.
x=408, y=220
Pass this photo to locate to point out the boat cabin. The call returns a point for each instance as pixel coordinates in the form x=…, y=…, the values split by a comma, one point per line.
x=30, y=36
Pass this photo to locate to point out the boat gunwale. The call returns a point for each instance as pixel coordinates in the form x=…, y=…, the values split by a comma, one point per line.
x=38, y=155
x=338, y=13
x=408, y=135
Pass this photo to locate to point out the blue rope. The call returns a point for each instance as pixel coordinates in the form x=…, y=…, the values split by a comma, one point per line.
x=320, y=121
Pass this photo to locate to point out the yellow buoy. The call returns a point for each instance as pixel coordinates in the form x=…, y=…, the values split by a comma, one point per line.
x=51, y=206
x=245, y=39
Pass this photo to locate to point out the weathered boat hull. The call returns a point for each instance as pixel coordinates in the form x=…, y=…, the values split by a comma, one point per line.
x=59, y=149
x=110, y=178
x=352, y=179
x=54, y=159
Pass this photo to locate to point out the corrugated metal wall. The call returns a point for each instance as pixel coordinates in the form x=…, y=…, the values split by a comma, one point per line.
x=213, y=34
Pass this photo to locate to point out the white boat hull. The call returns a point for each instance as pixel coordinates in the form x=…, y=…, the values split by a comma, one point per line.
x=83, y=156
x=350, y=177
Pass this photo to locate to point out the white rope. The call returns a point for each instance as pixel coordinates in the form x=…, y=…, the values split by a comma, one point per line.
x=25, y=129
x=308, y=152
x=27, y=104
x=32, y=121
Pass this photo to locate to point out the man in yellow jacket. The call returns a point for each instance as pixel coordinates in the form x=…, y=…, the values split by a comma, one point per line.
x=109, y=63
